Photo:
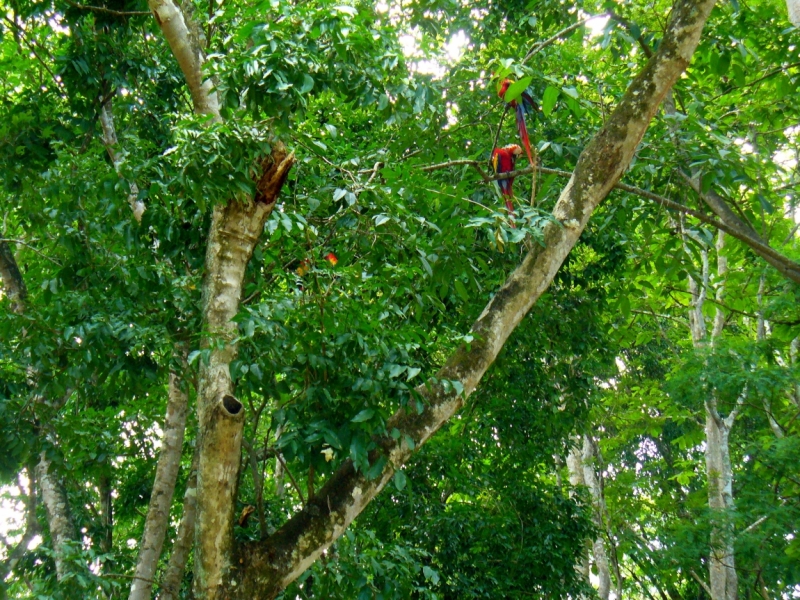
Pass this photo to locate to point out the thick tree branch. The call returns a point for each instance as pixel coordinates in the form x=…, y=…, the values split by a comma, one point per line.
x=264, y=568
x=235, y=231
x=743, y=231
x=54, y=498
x=189, y=54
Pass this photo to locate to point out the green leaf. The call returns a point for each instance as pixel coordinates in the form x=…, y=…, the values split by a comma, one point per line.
x=308, y=83
x=364, y=415
x=400, y=480
x=412, y=372
x=549, y=99
x=461, y=290
x=515, y=90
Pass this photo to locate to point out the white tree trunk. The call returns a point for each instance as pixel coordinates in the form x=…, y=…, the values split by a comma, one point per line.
x=722, y=567
x=576, y=478
x=110, y=142
x=598, y=506
x=793, y=7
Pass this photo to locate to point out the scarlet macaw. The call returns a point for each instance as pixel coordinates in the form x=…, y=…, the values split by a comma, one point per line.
x=524, y=105
x=503, y=161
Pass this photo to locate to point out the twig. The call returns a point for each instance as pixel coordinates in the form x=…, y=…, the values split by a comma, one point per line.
x=702, y=583
x=32, y=46
x=758, y=522
x=108, y=11
x=541, y=45
x=453, y=163
x=759, y=80
x=52, y=260
x=497, y=134
x=291, y=478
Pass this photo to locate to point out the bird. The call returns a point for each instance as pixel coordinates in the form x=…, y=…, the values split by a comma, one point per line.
x=522, y=106
x=503, y=161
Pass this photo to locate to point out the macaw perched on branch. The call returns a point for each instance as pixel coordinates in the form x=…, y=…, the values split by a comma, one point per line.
x=503, y=161
x=522, y=106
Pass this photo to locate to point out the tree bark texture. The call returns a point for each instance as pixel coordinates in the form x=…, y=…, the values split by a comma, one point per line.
x=235, y=230
x=169, y=461
x=264, y=568
x=722, y=569
x=173, y=576
x=744, y=232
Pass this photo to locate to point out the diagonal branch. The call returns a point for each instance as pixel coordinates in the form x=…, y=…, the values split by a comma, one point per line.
x=264, y=568
x=743, y=231
x=189, y=54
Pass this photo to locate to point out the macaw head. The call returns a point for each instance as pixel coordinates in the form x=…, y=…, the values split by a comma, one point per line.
x=514, y=149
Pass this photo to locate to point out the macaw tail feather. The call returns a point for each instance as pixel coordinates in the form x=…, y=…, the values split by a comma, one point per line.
x=528, y=103
x=523, y=132
x=510, y=208
x=505, y=186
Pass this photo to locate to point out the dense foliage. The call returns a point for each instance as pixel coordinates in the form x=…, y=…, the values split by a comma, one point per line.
x=367, y=95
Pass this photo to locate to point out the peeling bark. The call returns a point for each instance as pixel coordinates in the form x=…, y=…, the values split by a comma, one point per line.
x=265, y=568
x=169, y=461
x=171, y=583
x=54, y=499
x=235, y=230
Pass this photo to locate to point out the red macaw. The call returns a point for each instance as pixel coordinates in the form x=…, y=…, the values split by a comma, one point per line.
x=524, y=105
x=503, y=161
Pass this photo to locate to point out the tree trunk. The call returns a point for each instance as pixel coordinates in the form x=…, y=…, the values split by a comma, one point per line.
x=264, y=568
x=722, y=568
x=235, y=230
x=598, y=510
x=576, y=478
x=54, y=498
x=169, y=461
